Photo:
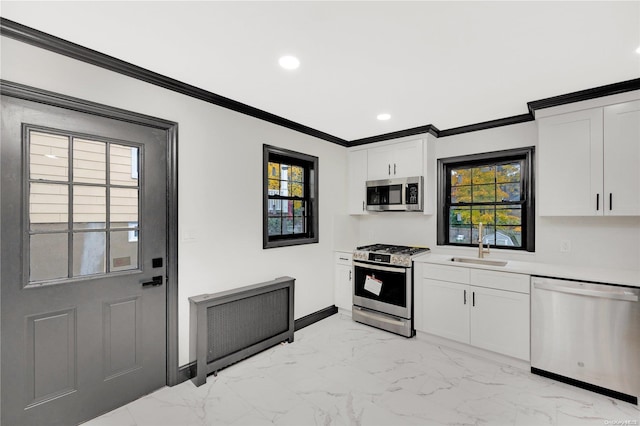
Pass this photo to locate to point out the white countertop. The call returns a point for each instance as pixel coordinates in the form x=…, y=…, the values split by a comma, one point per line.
x=625, y=277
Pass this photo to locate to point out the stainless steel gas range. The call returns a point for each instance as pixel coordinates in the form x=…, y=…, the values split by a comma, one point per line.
x=383, y=287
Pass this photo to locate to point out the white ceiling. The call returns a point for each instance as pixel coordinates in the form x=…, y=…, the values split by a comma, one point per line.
x=425, y=62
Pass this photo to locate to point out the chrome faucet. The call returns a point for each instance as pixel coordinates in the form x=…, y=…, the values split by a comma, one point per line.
x=481, y=249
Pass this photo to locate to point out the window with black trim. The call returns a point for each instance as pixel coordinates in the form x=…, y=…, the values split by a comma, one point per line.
x=290, y=202
x=493, y=189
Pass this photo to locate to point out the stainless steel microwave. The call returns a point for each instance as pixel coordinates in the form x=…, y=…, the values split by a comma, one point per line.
x=399, y=194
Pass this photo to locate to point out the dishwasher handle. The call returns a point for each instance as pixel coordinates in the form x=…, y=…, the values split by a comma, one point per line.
x=585, y=289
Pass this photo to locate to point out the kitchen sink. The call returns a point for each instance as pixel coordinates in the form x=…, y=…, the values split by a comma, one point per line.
x=478, y=261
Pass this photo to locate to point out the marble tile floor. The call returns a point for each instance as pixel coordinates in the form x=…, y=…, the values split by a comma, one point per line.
x=338, y=372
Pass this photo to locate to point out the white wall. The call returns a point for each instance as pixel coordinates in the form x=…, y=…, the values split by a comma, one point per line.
x=220, y=182
x=606, y=242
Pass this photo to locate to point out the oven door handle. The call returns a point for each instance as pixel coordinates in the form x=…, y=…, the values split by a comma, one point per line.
x=399, y=269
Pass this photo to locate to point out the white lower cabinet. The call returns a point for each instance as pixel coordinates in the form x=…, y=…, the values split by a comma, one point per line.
x=486, y=309
x=444, y=312
x=343, y=281
x=500, y=321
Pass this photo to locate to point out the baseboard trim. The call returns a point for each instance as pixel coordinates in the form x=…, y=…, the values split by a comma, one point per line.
x=305, y=321
x=188, y=371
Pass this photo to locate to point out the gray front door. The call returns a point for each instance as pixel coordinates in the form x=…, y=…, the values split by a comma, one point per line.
x=83, y=240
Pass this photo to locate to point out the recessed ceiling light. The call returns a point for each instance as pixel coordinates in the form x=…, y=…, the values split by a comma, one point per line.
x=54, y=157
x=289, y=62
x=638, y=50
x=383, y=117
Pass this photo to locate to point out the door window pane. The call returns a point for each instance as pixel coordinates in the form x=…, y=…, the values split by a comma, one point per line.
x=89, y=207
x=124, y=207
x=89, y=161
x=124, y=251
x=48, y=257
x=55, y=200
x=122, y=160
x=89, y=252
x=48, y=206
x=48, y=157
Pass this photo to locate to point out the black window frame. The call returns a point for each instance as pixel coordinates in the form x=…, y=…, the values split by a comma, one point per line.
x=526, y=158
x=310, y=198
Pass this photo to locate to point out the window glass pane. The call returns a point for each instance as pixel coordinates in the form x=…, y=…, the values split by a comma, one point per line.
x=460, y=177
x=89, y=161
x=274, y=187
x=461, y=194
x=484, y=215
x=298, y=208
x=274, y=170
x=48, y=156
x=296, y=189
x=296, y=174
x=124, y=251
x=508, y=192
x=509, y=236
x=484, y=193
x=120, y=165
x=298, y=224
x=483, y=174
x=48, y=206
x=460, y=234
x=89, y=253
x=284, y=188
x=124, y=207
x=510, y=215
x=275, y=225
x=89, y=207
x=508, y=173
x=460, y=216
x=287, y=225
x=48, y=256
x=274, y=207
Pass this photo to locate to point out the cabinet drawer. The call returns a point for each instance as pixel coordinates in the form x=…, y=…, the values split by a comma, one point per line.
x=508, y=281
x=446, y=273
x=343, y=258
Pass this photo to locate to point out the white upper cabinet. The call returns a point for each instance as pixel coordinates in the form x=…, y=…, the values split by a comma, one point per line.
x=398, y=160
x=357, y=181
x=622, y=159
x=589, y=161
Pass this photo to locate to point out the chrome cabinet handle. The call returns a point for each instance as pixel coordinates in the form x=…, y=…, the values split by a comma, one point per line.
x=389, y=169
x=465, y=297
x=597, y=202
x=394, y=168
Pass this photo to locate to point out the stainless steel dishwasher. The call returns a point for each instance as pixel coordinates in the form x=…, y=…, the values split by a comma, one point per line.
x=587, y=335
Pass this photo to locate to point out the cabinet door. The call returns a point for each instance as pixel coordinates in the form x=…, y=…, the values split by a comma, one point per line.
x=343, y=290
x=622, y=159
x=500, y=321
x=445, y=309
x=357, y=181
x=379, y=163
x=570, y=164
x=407, y=159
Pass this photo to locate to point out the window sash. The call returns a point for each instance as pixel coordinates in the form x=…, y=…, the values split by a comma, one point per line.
x=521, y=233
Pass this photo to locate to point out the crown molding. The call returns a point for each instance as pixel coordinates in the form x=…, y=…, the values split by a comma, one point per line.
x=49, y=42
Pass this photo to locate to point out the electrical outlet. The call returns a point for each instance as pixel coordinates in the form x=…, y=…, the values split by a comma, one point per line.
x=565, y=246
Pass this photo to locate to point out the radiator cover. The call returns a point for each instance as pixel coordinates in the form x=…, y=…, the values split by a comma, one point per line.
x=232, y=325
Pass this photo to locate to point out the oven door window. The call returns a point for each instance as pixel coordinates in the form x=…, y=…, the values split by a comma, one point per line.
x=383, y=286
